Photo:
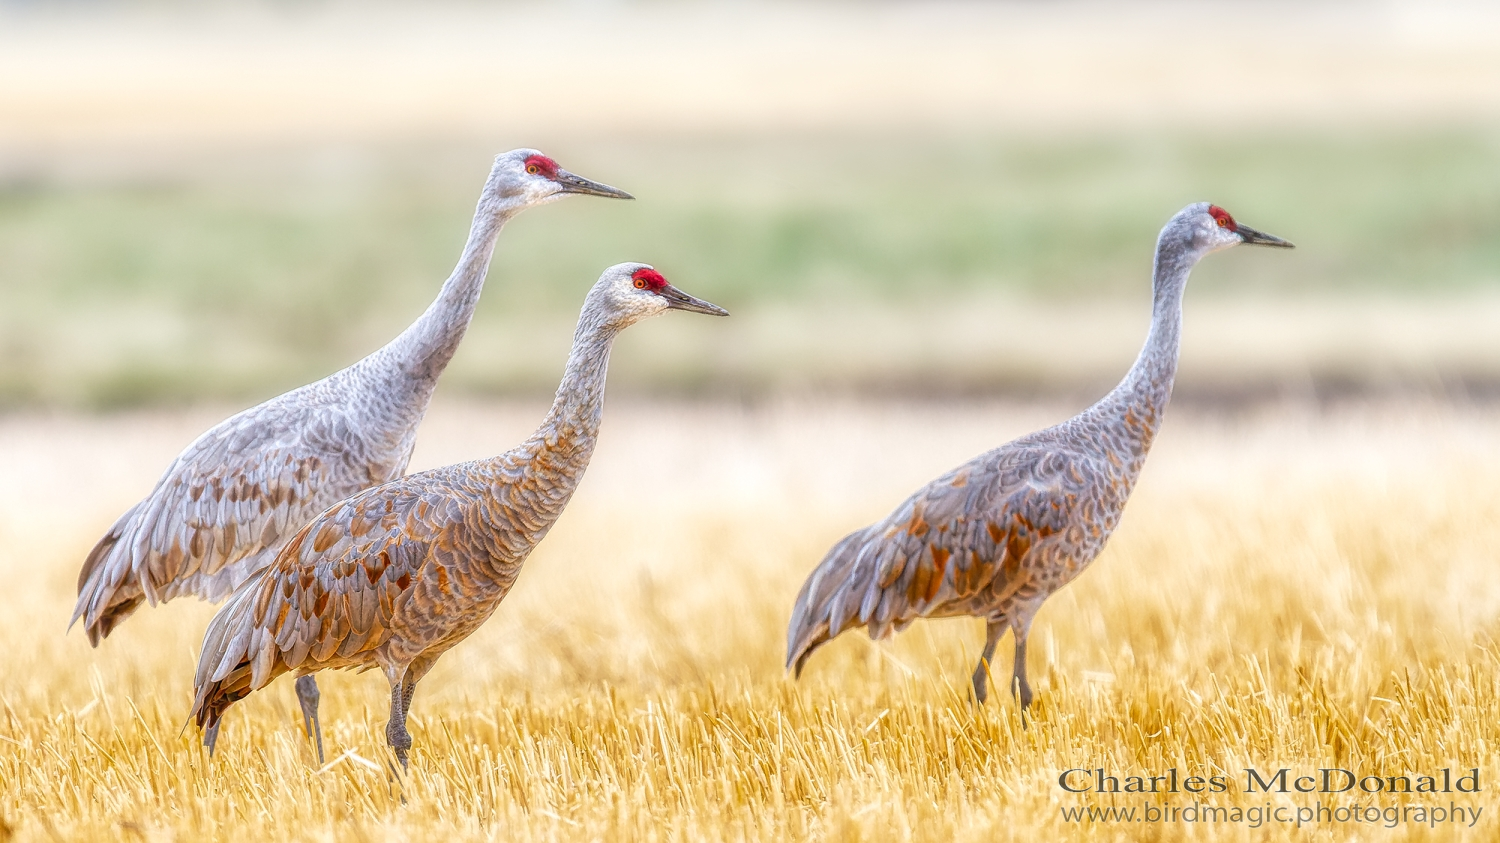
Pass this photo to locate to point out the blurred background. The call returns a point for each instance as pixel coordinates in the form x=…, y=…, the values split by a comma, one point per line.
x=217, y=202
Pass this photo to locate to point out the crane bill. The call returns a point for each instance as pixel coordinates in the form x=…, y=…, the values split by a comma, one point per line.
x=1260, y=238
x=678, y=300
x=573, y=183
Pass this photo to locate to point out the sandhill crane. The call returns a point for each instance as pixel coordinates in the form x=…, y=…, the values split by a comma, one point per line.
x=231, y=500
x=396, y=575
x=996, y=536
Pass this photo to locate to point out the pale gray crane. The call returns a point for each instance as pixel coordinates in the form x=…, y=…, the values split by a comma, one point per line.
x=996, y=536
x=231, y=500
x=396, y=575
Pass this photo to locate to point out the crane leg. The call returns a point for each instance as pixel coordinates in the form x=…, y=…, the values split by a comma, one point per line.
x=992, y=632
x=408, y=690
x=395, y=731
x=414, y=673
x=211, y=737
x=307, y=697
x=1018, y=684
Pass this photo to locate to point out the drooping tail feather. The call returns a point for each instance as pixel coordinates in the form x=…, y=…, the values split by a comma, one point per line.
x=107, y=593
x=824, y=607
x=225, y=674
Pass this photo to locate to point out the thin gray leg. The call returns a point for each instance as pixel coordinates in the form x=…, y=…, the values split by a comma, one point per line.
x=1019, y=686
x=408, y=690
x=992, y=632
x=307, y=696
x=395, y=731
x=211, y=736
x=414, y=673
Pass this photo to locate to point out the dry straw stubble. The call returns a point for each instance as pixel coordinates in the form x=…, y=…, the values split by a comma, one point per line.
x=1294, y=588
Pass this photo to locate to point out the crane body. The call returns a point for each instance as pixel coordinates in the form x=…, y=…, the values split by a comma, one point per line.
x=230, y=502
x=995, y=537
x=398, y=574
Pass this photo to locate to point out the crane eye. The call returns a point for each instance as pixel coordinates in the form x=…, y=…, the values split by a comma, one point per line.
x=640, y=283
x=1223, y=223
x=533, y=169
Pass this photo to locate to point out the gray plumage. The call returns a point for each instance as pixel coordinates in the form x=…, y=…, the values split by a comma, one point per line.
x=996, y=536
x=233, y=498
x=395, y=576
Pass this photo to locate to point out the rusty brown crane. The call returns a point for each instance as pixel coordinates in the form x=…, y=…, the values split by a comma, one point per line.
x=232, y=499
x=395, y=576
x=996, y=536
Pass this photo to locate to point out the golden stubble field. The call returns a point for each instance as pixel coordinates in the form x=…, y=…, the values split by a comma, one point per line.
x=1291, y=587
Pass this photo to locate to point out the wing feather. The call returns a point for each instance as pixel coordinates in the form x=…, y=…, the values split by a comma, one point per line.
x=223, y=507
x=959, y=539
x=330, y=594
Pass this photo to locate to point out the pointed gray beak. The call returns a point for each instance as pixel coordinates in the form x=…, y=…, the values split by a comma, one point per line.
x=572, y=183
x=678, y=300
x=1260, y=238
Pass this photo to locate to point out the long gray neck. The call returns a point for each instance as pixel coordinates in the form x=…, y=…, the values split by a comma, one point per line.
x=1138, y=402
x=572, y=423
x=529, y=486
x=423, y=350
x=518, y=496
x=533, y=483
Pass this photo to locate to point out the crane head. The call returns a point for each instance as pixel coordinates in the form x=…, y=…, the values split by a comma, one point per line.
x=629, y=292
x=1213, y=228
x=533, y=178
x=1201, y=228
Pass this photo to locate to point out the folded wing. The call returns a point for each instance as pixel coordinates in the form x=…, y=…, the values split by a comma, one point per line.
x=961, y=541
x=220, y=512
x=329, y=597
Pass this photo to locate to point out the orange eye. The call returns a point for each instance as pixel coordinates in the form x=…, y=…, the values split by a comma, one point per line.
x=533, y=169
x=1223, y=223
x=640, y=283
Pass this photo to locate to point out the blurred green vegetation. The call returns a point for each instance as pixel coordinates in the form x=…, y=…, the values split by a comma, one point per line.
x=238, y=278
